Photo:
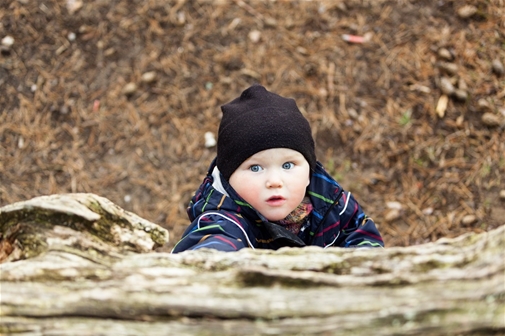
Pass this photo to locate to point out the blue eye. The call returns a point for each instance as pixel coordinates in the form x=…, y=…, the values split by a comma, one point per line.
x=288, y=165
x=255, y=168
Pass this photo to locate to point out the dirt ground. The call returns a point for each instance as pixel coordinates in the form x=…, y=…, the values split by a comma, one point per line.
x=115, y=97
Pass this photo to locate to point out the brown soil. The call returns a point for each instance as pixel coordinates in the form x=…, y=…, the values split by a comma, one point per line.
x=67, y=125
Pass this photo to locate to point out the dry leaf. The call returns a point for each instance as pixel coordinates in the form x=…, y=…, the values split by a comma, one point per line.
x=442, y=105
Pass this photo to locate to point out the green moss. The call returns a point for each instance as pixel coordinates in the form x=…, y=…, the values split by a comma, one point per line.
x=159, y=237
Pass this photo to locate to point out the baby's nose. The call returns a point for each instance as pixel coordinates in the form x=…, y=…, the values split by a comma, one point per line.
x=274, y=181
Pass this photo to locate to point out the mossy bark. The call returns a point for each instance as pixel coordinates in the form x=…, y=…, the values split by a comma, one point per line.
x=83, y=280
x=80, y=222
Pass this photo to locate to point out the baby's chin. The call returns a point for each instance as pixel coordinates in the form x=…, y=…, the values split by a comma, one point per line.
x=274, y=218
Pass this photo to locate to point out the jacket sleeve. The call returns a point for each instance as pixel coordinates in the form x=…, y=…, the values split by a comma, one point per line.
x=216, y=230
x=357, y=229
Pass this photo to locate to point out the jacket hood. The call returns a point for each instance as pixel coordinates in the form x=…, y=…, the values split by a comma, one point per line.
x=216, y=194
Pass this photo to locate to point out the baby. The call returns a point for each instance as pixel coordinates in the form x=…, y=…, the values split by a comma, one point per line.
x=265, y=189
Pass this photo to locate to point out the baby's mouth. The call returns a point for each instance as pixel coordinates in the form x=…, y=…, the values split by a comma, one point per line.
x=275, y=200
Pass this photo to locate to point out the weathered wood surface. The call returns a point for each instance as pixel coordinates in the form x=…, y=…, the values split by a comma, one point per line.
x=78, y=223
x=79, y=265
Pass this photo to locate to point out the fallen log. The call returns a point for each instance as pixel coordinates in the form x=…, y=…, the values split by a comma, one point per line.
x=78, y=264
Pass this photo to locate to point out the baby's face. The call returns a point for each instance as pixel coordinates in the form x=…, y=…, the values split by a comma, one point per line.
x=273, y=181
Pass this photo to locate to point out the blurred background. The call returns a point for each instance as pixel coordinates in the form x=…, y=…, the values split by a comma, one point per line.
x=406, y=100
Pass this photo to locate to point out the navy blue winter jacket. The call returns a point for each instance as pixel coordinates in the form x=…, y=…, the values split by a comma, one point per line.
x=222, y=220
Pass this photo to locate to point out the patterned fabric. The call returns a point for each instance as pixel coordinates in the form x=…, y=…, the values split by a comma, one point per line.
x=294, y=221
x=222, y=220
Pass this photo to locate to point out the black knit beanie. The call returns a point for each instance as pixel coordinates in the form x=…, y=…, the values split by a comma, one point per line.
x=260, y=120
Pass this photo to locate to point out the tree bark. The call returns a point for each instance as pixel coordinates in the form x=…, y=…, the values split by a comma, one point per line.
x=77, y=264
